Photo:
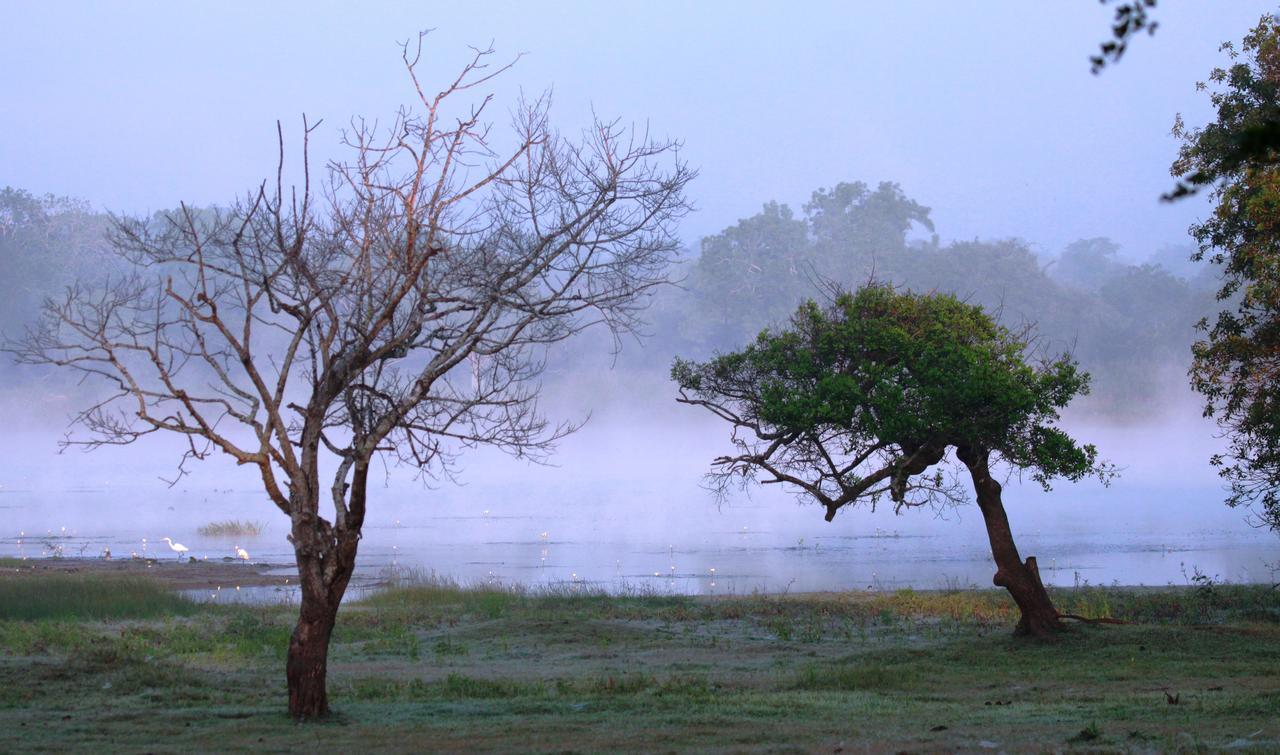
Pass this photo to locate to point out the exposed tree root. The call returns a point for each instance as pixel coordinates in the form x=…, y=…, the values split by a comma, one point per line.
x=1088, y=620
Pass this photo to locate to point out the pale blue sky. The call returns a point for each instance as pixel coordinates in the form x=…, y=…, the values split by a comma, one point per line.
x=986, y=112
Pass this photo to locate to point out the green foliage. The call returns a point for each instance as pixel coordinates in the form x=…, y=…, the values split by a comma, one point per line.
x=856, y=398
x=1246, y=134
x=1237, y=366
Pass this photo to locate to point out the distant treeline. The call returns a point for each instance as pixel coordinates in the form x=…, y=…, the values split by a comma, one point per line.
x=45, y=244
x=1130, y=325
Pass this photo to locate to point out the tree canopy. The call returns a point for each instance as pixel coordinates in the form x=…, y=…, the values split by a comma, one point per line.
x=855, y=400
x=1237, y=365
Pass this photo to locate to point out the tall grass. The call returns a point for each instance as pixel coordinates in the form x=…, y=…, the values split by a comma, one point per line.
x=416, y=590
x=413, y=588
x=75, y=596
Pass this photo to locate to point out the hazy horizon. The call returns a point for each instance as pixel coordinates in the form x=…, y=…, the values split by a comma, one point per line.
x=987, y=113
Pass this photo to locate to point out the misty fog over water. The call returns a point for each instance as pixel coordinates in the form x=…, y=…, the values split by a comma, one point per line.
x=623, y=509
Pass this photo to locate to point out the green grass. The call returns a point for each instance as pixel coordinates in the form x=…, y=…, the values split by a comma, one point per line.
x=850, y=677
x=429, y=664
x=75, y=596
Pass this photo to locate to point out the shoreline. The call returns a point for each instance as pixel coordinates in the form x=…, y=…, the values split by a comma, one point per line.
x=175, y=575
x=199, y=575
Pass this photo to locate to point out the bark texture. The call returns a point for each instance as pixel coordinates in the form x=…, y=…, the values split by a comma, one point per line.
x=308, y=661
x=326, y=557
x=1021, y=578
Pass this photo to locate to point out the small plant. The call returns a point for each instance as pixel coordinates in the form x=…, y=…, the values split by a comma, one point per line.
x=232, y=528
x=782, y=627
x=1090, y=733
x=447, y=646
x=1204, y=583
x=812, y=629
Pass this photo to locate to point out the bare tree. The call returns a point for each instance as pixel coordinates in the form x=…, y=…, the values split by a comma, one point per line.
x=401, y=306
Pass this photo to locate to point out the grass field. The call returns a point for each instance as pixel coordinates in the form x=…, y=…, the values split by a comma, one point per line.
x=435, y=666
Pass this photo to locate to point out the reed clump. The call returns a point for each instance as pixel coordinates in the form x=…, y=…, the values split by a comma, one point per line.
x=232, y=528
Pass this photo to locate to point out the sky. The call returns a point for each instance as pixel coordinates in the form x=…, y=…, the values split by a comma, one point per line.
x=986, y=112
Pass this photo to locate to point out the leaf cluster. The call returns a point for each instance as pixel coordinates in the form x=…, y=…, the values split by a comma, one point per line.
x=1131, y=19
x=1245, y=134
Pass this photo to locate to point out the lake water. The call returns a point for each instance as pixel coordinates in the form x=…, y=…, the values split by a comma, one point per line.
x=623, y=509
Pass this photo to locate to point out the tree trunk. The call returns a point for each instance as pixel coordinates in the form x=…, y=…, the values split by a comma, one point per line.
x=324, y=581
x=326, y=557
x=308, y=660
x=1021, y=579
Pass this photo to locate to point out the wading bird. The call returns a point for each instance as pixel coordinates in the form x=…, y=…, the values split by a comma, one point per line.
x=177, y=548
x=242, y=554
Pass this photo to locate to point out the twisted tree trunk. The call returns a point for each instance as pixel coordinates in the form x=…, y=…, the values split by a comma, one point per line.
x=326, y=557
x=1021, y=578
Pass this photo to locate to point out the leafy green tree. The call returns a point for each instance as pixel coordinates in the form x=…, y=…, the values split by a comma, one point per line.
x=1237, y=365
x=863, y=400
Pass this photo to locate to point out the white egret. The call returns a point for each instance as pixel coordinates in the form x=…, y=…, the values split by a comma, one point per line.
x=177, y=548
x=242, y=554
